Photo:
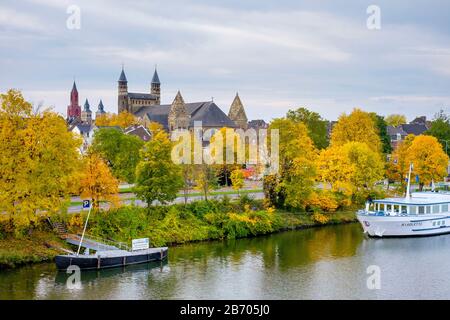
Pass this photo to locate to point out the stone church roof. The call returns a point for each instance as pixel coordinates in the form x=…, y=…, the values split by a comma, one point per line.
x=237, y=111
x=142, y=96
x=207, y=112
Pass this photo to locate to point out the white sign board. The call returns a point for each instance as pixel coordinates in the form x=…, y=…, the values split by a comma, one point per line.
x=140, y=244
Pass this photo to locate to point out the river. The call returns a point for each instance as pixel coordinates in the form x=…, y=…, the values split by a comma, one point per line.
x=332, y=262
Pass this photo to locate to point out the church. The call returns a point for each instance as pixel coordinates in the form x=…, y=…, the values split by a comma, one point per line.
x=179, y=114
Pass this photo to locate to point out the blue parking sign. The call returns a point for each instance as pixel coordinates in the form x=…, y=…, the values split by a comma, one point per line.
x=86, y=204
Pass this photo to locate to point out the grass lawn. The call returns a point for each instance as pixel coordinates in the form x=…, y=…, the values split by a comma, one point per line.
x=39, y=247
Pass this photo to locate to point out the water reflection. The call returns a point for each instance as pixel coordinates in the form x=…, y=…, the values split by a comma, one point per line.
x=321, y=263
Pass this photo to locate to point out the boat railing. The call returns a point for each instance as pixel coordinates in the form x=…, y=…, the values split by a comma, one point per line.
x=113, y=243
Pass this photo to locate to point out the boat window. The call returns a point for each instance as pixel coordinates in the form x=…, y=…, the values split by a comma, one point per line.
x=445, y=208
x=428, y=209
x=434, y=223
x=388, y=208
x=436, y=209
x=413, y=209
x=421, y=209
x=382, y=207
x=404, y=209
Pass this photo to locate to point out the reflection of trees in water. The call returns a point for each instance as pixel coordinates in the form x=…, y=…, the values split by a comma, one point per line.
x=22, y=283
x=286, y=249
x=189, y=266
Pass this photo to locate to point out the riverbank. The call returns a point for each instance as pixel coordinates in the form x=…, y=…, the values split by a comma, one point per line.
x=41, y=246
x=168, y=226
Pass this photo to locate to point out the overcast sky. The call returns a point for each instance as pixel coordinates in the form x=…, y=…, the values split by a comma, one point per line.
x=277, y=54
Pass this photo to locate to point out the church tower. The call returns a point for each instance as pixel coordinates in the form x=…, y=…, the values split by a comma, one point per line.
x=73, y=110
x=86, y=114
x=237, y=113
x=178, y=116
x=156, y=87
x=100, y=110
x=122, y=93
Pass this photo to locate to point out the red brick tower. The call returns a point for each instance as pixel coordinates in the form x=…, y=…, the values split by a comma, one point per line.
x=74, y=109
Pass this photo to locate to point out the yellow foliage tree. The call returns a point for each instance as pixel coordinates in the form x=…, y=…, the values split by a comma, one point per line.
x=38, y=158
x=351, y=169
x=398, y=166
x=97, y=182
x=123, y=120
x=297, y=156
x=335, y=169
x=237, y=179
x=155, y=127
x=324, y=201
x=358, y=126
x=429, y=160
x=395, y=120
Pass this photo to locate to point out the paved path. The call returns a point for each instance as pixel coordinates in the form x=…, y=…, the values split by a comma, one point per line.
x=256, y=195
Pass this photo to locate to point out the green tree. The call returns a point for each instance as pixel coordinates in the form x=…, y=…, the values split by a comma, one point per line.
x=385, y=139
x=121, y=151
x=440, y=129
x=157, y=176
x=317, y=126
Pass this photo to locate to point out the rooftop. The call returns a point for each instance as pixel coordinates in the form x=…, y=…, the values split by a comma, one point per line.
x=418, y=198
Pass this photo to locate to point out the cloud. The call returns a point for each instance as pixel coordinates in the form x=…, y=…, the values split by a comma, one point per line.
x=11, y=19
x=278, y=55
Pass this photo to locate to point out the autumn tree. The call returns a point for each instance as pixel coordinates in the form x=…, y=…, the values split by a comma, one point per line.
x=38, y=158
x=395, y=120
x=158, y=178
x=97, y=182
x=429, y=160
x=226, y=153
x=358, y=126
x=317, y=126
x=398, y=166
x=205, y=179
x=121, y=151
x=351, y=170
x=295, y=180
x=154, y=127
x=123, y=120
x=237, y=179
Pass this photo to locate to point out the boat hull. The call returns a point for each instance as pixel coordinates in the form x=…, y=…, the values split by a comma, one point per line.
x=404, y=226
x=110, y=259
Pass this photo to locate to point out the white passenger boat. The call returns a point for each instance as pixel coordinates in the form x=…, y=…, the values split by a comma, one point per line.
x=417, y=214
x=420, y=214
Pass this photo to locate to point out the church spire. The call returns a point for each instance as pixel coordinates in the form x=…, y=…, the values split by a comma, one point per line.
x=87, y=107
x=122, y=77
x=155, y=78
x=155, y=87
x=237, y=113
x=74, y=87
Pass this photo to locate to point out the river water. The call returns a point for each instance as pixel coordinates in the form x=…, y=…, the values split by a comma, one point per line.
x=322, y=263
